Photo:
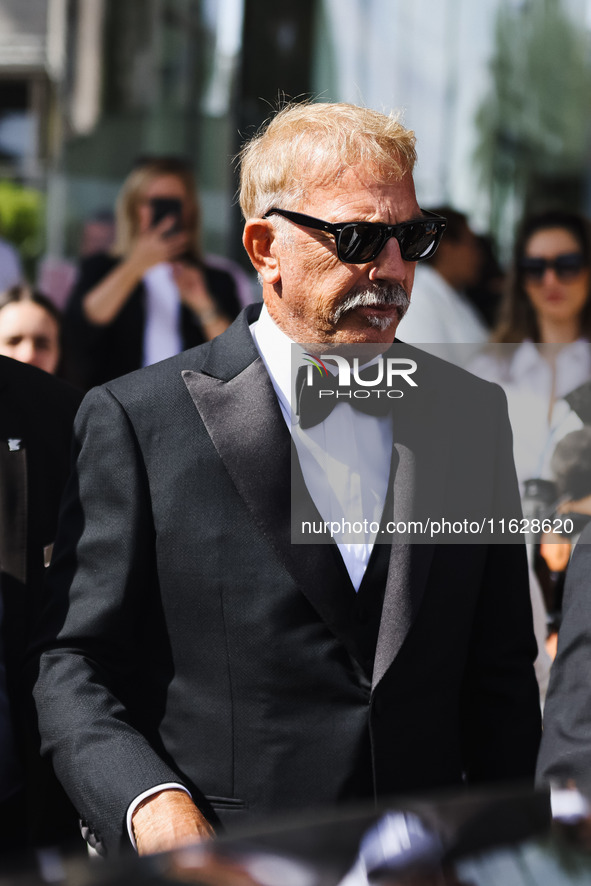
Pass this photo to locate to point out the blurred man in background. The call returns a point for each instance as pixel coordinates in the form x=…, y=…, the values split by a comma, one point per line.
x=11, y=270
x=440, y=311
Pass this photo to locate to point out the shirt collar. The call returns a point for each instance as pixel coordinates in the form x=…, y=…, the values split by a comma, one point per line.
x=276, y=350
x=528, y=357
x=282, y=358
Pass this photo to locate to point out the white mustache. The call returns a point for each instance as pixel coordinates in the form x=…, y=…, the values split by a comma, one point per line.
x=384, y=295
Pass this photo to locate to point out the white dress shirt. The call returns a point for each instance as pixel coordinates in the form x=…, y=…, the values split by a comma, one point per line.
x=345, y=460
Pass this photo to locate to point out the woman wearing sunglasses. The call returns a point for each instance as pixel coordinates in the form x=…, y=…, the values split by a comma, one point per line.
x=540, y=352
x=548, y=300
x=540, y=349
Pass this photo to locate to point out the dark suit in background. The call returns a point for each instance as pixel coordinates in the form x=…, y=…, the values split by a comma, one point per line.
x=565, y=753
x=36, y=417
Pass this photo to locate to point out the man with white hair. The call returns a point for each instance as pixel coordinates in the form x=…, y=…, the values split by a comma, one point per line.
x=200, y=670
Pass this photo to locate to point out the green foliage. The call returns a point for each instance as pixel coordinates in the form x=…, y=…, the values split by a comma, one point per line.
x=533, y=125
x=22, y=219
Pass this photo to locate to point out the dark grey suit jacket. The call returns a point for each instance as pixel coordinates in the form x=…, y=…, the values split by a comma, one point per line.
x=188, y=640
x=36, y=417
x=565, y=753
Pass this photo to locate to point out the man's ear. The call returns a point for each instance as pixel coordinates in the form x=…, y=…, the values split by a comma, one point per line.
x=261, y=244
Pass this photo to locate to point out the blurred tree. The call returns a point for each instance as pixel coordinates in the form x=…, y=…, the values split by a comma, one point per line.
x=22, y=221
x=533, y=147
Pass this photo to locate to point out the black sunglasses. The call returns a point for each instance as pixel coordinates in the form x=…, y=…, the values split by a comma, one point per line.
x=565, y=266
x=359, y=242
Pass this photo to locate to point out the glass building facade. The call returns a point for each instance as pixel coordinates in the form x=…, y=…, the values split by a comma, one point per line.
x=90, y=85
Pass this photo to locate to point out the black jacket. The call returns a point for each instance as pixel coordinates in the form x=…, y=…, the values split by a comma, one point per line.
x=36, y=417
x=196, y=643
x=96, y=354
x=565, y=753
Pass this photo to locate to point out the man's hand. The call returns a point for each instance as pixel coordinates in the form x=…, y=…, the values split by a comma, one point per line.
x=167, y=820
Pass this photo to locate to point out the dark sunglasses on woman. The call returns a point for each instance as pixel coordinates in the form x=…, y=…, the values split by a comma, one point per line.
x=566, y=266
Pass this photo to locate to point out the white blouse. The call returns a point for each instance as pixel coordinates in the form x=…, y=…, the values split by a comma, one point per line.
x=535, y=388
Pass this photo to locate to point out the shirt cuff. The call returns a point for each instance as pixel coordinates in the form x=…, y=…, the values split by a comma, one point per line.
x=168, y=786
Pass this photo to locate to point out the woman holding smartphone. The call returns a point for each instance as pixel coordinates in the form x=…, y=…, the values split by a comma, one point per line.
x=152, y=295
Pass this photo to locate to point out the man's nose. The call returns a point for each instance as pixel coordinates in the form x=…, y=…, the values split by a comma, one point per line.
x=389, y=264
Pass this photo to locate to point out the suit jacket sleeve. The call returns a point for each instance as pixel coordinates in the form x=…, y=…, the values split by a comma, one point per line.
x=565, y=753
x=102, y=580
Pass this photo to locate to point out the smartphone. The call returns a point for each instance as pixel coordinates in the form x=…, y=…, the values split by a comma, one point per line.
x=163, y=207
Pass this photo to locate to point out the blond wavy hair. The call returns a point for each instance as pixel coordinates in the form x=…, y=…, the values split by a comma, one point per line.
x=309, y=144
x=132, y=193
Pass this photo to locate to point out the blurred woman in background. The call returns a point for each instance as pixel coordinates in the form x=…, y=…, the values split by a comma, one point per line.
x=541, y=348
x=152, y=295
x=548, y=300
x=30, y=328
x=540, y=353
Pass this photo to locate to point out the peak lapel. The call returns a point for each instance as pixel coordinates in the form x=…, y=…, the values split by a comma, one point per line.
x=419, y=490
x=238, y=405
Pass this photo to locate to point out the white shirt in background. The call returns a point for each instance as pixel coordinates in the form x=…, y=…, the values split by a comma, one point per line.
x=162, y=331
x=439, y=314
x=539, y=416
